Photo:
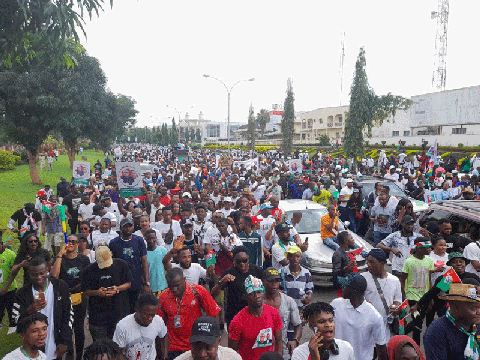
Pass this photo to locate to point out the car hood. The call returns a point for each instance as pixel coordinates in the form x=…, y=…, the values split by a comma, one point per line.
x=320, y=255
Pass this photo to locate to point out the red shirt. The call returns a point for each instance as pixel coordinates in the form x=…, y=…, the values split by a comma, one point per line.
x=189, y=311
x=165, y=200
x=255, y=334
x=277, y=213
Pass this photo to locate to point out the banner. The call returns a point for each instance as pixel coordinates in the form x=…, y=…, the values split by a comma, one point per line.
x=129, y=180
x=295, y=165
x=432, y=196
x=81, y=173
x=225, y=161
x=248, y=163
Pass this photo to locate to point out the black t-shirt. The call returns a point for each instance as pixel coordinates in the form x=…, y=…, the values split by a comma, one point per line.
x=236, y=289
x=104, y=311
x=73, y=202
x=20, y=218
x=456, y=243
x=22, y=256
x=70, y=271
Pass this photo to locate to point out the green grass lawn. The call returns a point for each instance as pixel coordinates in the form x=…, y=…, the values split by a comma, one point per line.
x=16, y=189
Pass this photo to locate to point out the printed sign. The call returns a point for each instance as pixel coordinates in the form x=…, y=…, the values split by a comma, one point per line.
x=295, y=165
x=81, y=173
x=225, y=161
x=130, y=181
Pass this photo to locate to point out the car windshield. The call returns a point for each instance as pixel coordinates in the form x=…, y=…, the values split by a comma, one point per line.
x=311, y=219
x=394, y=189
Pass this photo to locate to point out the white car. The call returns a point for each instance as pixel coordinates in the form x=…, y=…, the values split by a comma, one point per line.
x=318, y=258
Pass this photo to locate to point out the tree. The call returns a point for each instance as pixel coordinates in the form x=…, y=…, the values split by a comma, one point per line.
x=165, y=135
x=324, y=140
x=31, y=108
x=192, y=134
x=263, y=117
x=251, y=127
x=80, y=91
x=198, y=135
x=288, y=119
x=366, y=108
x=173, y=134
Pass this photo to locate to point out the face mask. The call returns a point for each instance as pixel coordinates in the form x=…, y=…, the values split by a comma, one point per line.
x=315, y=188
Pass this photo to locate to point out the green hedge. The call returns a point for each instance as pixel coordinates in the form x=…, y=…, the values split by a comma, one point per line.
x=8, y=160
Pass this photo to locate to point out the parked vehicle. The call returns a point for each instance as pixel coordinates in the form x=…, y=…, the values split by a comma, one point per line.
x=318, y=258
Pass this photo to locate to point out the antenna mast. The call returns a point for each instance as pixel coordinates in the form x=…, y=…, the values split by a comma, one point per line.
x=439, y=79
x=342, y=61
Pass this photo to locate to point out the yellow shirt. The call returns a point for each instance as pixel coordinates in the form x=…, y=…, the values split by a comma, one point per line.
x=323, y=198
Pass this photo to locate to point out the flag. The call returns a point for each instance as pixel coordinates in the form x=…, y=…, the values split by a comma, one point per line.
x=356, y=251
x=8, y=240
x=61, y=210
x=401, y=326
x=22, y=232
x=449, y=277
x=47, y=206
x=210, y=258
x=402, y=316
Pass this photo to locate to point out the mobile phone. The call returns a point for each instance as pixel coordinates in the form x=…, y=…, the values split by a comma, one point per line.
x=41, y=296
x=315, y=329
x=306, y=240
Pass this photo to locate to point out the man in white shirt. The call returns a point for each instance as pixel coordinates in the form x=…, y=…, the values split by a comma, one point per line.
x=383, y=289
x=170, y=229
x=357, y=321
x=192, y=272
x=112, y=208
x=323, y=344
x=391, y=175
x=100, y=213
x=85, y=210
x=344, y=195
x=103, y=235
x=155, y=205
x=33, y=331
x=136, y=333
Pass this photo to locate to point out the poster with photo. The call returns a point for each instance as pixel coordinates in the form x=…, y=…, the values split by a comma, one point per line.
x=81, y=173
x=129, y=178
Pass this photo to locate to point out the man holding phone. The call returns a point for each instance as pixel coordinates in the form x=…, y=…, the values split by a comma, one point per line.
x=50, y=297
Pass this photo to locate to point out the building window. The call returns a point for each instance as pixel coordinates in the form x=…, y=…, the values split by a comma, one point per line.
x=337, y=135
x=395, y=133
x=458, y=131
x=320, y=121
x=303, y=136
x=406, y=133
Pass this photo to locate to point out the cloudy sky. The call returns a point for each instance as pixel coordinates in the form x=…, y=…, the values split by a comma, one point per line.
x=157, y=51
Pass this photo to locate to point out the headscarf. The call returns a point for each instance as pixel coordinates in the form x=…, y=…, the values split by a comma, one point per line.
x=396, y=344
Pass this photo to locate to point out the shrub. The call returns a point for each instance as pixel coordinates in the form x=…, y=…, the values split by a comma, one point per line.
x=8, y=160
x=460, y=145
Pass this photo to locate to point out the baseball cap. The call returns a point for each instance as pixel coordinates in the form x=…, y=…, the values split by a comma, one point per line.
x=265, y=206
x=103, y=255
x=282, y=227
x=253, y=284
x=392, y=167
x=41, y=193
x=354, y=281
x=205, y=329
x=293, y=250
x=186, y=222
x=407, y=219
x=187, y=194
x=271, y=274
x=227, y=199
x=126, y=221
x=456, y=255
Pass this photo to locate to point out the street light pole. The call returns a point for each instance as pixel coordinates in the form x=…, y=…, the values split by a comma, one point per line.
x=228, y=102
x=179, y=119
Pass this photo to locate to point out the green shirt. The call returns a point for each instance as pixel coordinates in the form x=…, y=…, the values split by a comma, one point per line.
x=418, y=279
x=6, y=263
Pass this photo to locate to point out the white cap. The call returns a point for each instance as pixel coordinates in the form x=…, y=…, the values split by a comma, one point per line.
x=227, y=199
x=187, y=194
x=392, y=166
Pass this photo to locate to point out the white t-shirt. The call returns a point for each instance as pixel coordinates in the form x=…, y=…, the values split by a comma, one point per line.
x=17, y=354
x=110, y=216
x=393, y=176
x=139, y=341
x=345, y=351
x=259, y=192
x=193, y=274
x=164, y=228
x=362, y=327
x=347, y=192
x=99, y=238
x=114, y=210
x=392, y=292
x=266, y=225
x=223, y=353
x=160, y=241
x=439, y=261
x=472, y=252
x=153, y=212
x=200, y=229
x=86, y=211
x=50, y=346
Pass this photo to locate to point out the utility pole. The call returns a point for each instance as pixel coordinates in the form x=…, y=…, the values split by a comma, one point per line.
x=439, y=78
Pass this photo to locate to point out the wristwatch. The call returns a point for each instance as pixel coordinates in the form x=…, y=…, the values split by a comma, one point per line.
x=147, y=283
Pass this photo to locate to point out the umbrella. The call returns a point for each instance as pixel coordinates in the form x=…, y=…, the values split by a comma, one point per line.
x=440, y=169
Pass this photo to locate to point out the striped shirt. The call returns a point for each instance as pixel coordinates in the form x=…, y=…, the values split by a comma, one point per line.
x=297, y=287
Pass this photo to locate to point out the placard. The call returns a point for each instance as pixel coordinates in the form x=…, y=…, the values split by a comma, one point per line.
x=81, y=173
x=129, y=180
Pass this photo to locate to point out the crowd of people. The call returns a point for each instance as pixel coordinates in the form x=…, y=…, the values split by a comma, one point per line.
x=206, y=252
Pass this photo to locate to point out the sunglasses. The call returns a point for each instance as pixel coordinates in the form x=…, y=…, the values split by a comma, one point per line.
x=73, y=242
x=84, y=228
x=241, y=261
x=32, y=241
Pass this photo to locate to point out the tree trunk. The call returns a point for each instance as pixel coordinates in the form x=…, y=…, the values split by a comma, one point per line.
x=70, y=146
x=32, y=164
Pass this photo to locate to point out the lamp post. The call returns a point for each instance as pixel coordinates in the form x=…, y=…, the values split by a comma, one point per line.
x=228, y=102
x=179, y=118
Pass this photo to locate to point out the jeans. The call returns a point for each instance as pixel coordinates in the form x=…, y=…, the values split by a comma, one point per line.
x=343, y=213
x=6, y=303
x=354, y=222
x=332, y=243
x=379, y=236
x=415, y=325
x=102, y=331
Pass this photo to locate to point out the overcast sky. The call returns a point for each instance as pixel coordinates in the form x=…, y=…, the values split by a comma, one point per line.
x=157, y=51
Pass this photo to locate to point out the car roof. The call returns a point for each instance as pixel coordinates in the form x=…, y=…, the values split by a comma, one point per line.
x=299, y=204
x=466, y=208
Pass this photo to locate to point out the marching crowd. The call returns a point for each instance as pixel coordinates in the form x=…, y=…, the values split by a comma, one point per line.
x=206, y=252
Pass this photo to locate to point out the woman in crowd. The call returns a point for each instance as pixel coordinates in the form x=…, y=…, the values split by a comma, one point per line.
x=30, y=247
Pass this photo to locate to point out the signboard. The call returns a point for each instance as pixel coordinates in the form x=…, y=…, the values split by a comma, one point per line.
x=248, y=163
x=225, y=161
x=295, y=165
x=129, y=180
x=81, y=173
x=181, y=155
